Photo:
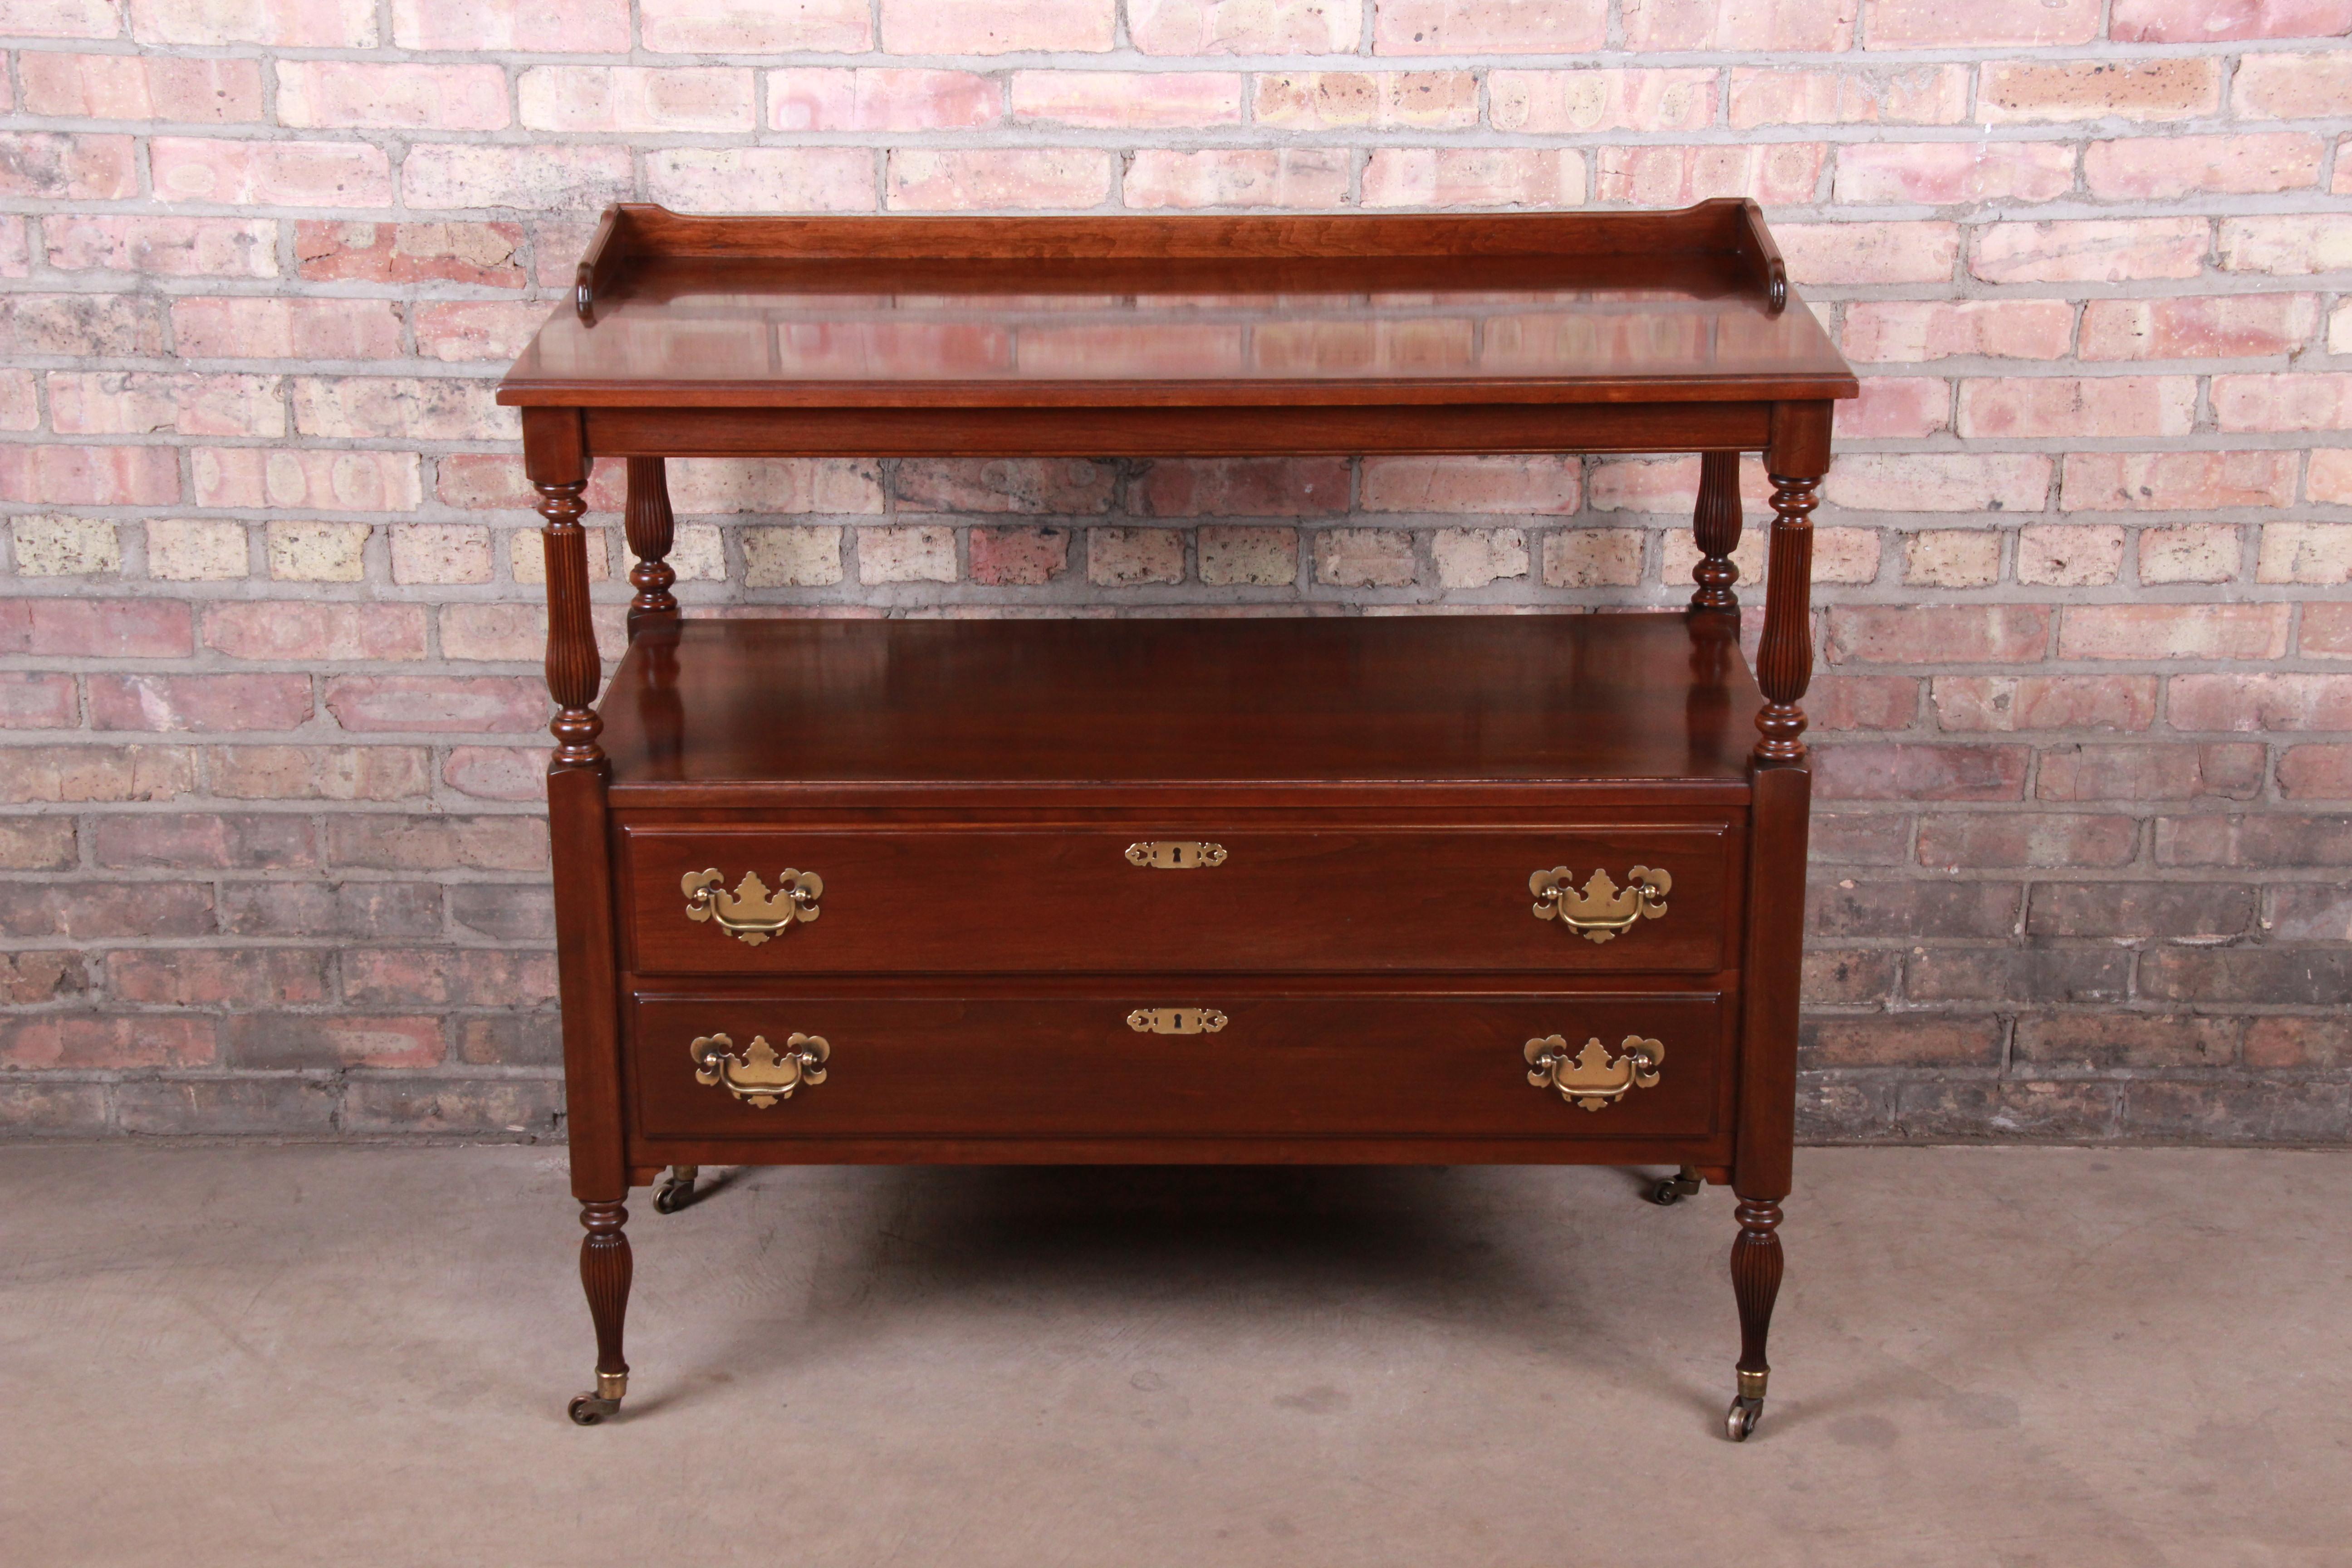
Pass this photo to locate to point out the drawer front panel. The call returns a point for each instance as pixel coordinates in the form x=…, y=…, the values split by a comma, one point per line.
x=1172, y=1060
x=1176, y=897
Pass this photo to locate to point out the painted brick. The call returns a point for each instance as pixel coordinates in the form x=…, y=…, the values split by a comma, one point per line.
x=2173, y=631
x=2209, y=21
x=2175, y=481
x=2011, y=702
x=1950, y=172
x=1908, y=331
x=1489, y=27
x=1243, y=26
x=199, y=703
x=2229, y=326
x=1320, y=100
x=347, y=93
x=1564, y=102
x=1927, y=24
x=138, y=86
x=2043, y=91
x=1301, y=177
x=818, y=98
x=2090, y=250
x=1917, y=95
x=729, y=26
x=948, y=179
x=1473, y=177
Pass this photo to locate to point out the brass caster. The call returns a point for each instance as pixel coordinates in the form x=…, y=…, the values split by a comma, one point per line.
x=1671, y=1190
x=1742, y=1418
x=676, y=1189
x=587, y=1409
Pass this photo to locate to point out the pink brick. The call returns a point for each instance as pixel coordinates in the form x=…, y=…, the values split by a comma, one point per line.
x=2289, y=246
x=1778, y=171
x=1943, y=173
x=2030, y=92
x=1918, y=95
x=1256, y=28
x=2190, y=553
x=928, y=27
x=1137, y=98
x=2209, y=21
x=1296, y=177
x=1862, y=702
x=2318, y=554
x=1365, y=558
x=2043, y=407
x=2285, y=402
x=437, y=704
x=817, y=98
x=1555, y=102
x=380, y=406
x=19, y=405
x=294, y=24
x=81, y=1041
x=1009, y=557
x=2284, y=87
x=2176, y=481
x=1740, y=25
x=209, y=703
x=1897, y=406
x=97, y=629
x=496, y=773
x=1244, y=486
x=1936, y=24
x=392, y=97
x=1936, y=481
x=2063, y=556
x=90, y=476
x=2231, y=326
x=1529, y=486
x=2154, y=167
x=602, y=99
x=1908, y=770
x=140, y=86
x=2259, y=703
x=457, y=331
x=2093, y=250
x=2327, y=630
x=339, y=251
x=1906, y=332
x=762, y=179
x=470, y=174
x=164, y=247
x=732, y=28
x=270, y=174
x=2315, y=772
x=2138, y=771
x=948, y=179
x=301, y=631
x=1955, y=634
x=482, y=481
x=2330, y=483
x=1473, y=177
x=1059, y=486
x=2004, y=703
x=62, y=18
x=131, y=403
x=30, y=699
x=193, y=977
x=1489, y=27
x=1864, y=253
x=79, y=324
x=317, y=773
x=232, y=327
x=2173, y=631
x=536, y=26
x=52, y=166
x=303, y=479
x=1317, y=101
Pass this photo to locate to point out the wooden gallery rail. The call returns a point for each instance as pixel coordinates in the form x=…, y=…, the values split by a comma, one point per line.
x=1338, y=889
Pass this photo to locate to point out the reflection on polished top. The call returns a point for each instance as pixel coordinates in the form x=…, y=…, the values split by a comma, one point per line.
x=1551, y=308
x=1510, y=698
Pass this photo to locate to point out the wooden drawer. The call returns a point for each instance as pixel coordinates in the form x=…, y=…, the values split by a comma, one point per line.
x=1290, y=1065
x=1029, y=899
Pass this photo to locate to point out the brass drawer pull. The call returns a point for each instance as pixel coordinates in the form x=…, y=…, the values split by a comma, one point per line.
x=751, y=914
x=1175, y=1020
x=1602, y=911
x=1175, y=854
x=758, y=1074
x=1593, y=1078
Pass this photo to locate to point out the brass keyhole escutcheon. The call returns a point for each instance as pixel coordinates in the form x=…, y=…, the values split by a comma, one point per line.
x=1176, y=854
x=1603, y=912
x=751, y=914
x=1591, y=1078
x=1176, y=1020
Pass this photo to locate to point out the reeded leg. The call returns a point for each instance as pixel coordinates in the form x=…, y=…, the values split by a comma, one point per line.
x=651, y=529
x=1716, y=528
x=605, y=1269
x=1784, y=660
x=676, y=1189
x=1755, y=1282
x=1672, y=1190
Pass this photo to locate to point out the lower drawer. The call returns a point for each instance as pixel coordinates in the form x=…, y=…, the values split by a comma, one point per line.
x=1167, y=1059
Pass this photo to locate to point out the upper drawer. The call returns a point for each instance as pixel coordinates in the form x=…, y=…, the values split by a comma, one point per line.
x=962, y=899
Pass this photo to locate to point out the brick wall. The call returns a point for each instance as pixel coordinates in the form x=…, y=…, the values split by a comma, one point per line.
x=271, y=858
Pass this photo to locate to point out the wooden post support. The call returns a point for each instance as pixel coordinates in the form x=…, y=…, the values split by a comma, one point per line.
x=1716, y=528
x=651, y=529
x=1795, y=459
x=555, y=456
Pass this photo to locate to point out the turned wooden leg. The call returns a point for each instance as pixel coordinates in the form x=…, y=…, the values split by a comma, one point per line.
x=1784, y=660
x=1755, y=1282
x=605, y=1269
x=1716, y=527
x=651, y=529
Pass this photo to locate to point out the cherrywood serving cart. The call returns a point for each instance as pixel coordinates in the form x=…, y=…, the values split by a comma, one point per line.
x=1335, y=889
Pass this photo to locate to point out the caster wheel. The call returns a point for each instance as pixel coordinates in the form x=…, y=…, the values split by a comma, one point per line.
x=1667, y=1193
x=672, y=1196
x=587, y=1410
x=1742, y=1419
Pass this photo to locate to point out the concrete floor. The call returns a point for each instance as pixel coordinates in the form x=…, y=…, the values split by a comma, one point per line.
x=2014, y=1358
